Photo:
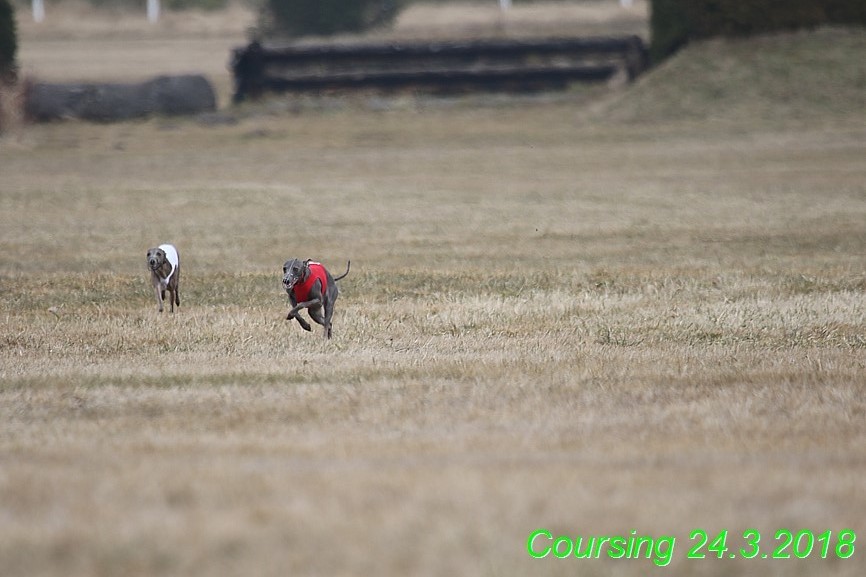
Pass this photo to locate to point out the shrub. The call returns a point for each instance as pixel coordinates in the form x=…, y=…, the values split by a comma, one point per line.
x=675, y=22
x=670, y=28
x=295, y=18
x=846, y=11
x=201, y=4
x=167, y=4
x=8, y=42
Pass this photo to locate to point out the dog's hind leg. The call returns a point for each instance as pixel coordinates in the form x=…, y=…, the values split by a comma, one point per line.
x=329, y=313
x=177, y=286
x=316, y=315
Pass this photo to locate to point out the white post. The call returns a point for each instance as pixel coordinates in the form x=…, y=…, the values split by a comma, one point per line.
x=152, y=11
x=38, y=10
x=504, y=5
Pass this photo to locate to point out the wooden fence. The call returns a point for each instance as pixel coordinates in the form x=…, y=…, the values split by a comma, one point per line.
x=512, y=65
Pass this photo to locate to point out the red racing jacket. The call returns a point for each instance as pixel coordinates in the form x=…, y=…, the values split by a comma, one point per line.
x=302, y=290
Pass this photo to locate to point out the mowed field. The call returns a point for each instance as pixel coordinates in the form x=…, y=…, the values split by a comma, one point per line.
x=589, y=318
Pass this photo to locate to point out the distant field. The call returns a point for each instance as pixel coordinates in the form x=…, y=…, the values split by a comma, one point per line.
x=76, y=42
x=588, y=319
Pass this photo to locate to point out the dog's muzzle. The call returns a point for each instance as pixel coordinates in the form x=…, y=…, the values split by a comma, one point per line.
x=289, y=282
x=153, y=264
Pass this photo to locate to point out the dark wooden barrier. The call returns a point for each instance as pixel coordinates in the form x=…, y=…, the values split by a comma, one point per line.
x=438, y=67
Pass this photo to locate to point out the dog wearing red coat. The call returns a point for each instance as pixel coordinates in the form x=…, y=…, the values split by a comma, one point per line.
x=311, y=286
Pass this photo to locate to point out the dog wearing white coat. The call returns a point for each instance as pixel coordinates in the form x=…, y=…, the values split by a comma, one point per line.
x=164, y=264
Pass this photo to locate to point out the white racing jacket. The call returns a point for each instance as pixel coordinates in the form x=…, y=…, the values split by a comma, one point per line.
x=173, y=259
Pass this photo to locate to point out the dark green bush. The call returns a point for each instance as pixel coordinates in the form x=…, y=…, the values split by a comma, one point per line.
x=8, y=41
x=846, y=11
x=294, y=18
x=670, y=28
x=202, y=4
x=166, y=4
x=675, y=22
x=742, y=18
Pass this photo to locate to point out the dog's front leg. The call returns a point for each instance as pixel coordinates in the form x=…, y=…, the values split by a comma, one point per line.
x=304, y=324
x=159, y=297
x=293, y=314
x=304, y=305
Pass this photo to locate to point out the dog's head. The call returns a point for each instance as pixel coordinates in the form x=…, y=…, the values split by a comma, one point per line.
x=295, y=271
x=155, y=258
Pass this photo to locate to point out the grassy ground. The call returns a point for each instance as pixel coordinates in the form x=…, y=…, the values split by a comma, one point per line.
x=553, y=320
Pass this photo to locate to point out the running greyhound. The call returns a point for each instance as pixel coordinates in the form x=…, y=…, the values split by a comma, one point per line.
x=312, y=287
x=164, y=265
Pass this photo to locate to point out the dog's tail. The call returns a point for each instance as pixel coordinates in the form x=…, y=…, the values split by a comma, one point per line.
x=348, y=266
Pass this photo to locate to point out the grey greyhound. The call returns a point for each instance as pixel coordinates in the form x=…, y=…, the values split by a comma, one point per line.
x=312, y=287
x=164, y=264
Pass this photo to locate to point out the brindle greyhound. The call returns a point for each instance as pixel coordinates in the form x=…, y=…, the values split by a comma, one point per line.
x=312, y=287
x=164, y=264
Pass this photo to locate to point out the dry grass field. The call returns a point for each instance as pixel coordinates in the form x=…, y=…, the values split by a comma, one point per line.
x=587, y=319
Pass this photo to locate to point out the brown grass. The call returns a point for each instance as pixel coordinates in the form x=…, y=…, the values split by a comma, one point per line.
x=550, y=322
